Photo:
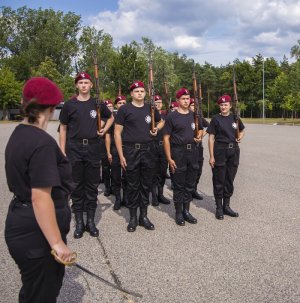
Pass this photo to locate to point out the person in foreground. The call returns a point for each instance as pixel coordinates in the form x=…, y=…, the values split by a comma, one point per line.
x=40, y=178
x=224, y=151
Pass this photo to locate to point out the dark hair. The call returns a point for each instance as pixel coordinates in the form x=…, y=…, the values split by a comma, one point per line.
x=32, y=110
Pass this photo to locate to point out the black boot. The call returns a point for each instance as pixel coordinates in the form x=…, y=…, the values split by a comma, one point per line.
x=133, y=220
x=196, y=195
x=160, y=197
x=186, y=214
x=154, y=196
x=107, y=191
x=227, y=210
x=219, y=209
x=90, y=224
x=178, y=215
x=143, y=220
x=79, y=228
x=117, y=205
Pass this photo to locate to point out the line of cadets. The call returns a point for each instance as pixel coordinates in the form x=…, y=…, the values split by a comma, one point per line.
x=136, y=160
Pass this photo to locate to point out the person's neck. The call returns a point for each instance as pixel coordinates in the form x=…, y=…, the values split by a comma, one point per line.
x=183, y=110
x=42, y=122
x=225, y=115
x=138, y=103
x=83, y=97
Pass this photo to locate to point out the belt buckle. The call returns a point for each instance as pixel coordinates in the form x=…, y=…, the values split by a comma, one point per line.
x=230, y=145
x=85, y=141
x=189, y=146
x=137, y=146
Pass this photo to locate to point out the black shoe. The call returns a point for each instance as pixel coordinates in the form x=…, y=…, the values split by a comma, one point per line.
x=90, y=224
x=161, y=198
x=187, y=215
x=227, y=210
x=219, y=209
x=118, y=201
x=131, y=227
x=79, y=227
x=178, y=215
x=144, y=220
x=107, y=191
x=197, y=196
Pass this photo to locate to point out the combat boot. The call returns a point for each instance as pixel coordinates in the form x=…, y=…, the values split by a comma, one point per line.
x=117, y=205
x=90, y=224
x=178, y=214
x=133, y=220
x=219, y=209
x=144, y=220
x=197, y=196
x=79, y=227
x=107, y=191
x=161, y=198
x=154, y=196
x=227, y=210
x=187, y=215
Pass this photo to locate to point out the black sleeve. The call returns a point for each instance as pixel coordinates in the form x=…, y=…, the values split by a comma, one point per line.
x=212, y=127
x=157, y=115
x=64, y=114
x=241, y=125
x=120, y=117
x=204, y=123
x=105, y=112
x=168, y=126
x=43, y=170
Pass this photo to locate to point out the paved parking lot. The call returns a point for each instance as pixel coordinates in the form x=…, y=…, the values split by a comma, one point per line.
x=253, y=258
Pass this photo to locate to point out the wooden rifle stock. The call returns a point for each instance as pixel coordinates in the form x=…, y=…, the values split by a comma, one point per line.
x=236, y=111
x=200, y=112
x=98, y=101
x=196, y=116
x=151, y=95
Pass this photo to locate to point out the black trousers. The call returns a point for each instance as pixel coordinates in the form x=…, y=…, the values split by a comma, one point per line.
x=85, y=160
x=161, y=166
x=185, y=176
x=139, y=173
x=41, y=275
x=106, y=171
x=116, y=170
x=200, y=163
x=225, y=169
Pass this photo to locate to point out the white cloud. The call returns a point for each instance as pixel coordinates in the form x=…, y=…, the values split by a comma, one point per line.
x=216, y=31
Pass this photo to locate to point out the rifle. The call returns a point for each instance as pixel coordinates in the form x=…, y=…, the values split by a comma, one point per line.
x=98, y=100
x=167, y=100
x=236, y=111
x=151, y=95
x=200, y=111
x=196, y=113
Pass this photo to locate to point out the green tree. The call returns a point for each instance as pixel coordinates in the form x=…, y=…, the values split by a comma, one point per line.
x=10, y=90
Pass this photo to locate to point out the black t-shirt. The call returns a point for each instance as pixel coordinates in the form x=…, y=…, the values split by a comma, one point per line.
x=224, y=128
x=81, y=118
x=136, y=122
x=111, y=131
x=160, y=134
x=34, y=160
x=180, y=127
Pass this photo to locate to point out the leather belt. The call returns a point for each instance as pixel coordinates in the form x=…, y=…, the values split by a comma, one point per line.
x=227, y=145
x=86, y=141
x=184, y=146
x=142, y=146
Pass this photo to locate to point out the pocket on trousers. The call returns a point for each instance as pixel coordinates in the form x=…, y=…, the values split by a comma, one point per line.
x=236, y=160
x=220, y=156
x=37, y=253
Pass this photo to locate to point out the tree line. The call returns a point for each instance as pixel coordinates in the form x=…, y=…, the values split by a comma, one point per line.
x=44, y=42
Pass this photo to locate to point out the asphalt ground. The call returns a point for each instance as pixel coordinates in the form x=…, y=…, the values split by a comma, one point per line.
x=253, y=258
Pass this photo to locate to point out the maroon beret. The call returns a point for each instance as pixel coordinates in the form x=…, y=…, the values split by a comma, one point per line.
x=81, y=76
x=224, y=99
x=181, y=92
x=174, y=104
x=192, y=101
x=157, y=97
x=43, y=91
x=119, y=98
x=107, y=102
x=137, y=84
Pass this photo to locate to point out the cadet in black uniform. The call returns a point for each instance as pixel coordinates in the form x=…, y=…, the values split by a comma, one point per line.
x=39, y=176
x=182, y=152
x=161, y=162
x=202, y=124
x=80, y=141
x=224, y=154
x=117, y=177
x=136, y=152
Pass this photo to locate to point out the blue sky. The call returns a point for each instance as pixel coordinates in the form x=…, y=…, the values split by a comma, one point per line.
x=215, y=31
